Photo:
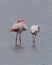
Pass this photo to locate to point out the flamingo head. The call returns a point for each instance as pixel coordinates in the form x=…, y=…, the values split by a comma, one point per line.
x=20, y=20
x=38, y=29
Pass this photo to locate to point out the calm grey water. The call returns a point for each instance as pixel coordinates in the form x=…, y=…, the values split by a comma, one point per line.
x=34, y=12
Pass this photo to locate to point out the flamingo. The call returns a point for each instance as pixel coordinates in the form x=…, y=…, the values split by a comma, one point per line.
x=34, y=30
x=18, y=27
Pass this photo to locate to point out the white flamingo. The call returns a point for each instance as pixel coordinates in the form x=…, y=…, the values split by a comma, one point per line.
x=19, y=27
x=34, y=30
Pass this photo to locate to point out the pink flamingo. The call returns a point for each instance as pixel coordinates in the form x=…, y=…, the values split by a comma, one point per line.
x=19, y=27
x=34, y=30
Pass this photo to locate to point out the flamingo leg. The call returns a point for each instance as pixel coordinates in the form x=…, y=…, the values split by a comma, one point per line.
x=33, y=40
x=20, y=38
x=16, y=39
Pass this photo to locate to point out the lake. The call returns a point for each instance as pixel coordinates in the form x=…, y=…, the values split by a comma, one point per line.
x=37, y=12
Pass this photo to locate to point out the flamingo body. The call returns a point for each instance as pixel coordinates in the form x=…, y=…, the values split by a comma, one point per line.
x=34, y=30
x=18, y=27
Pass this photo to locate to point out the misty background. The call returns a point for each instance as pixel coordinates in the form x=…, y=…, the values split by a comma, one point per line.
x=35, y=12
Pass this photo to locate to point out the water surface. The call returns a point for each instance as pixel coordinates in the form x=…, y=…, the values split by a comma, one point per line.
x=34, y=12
